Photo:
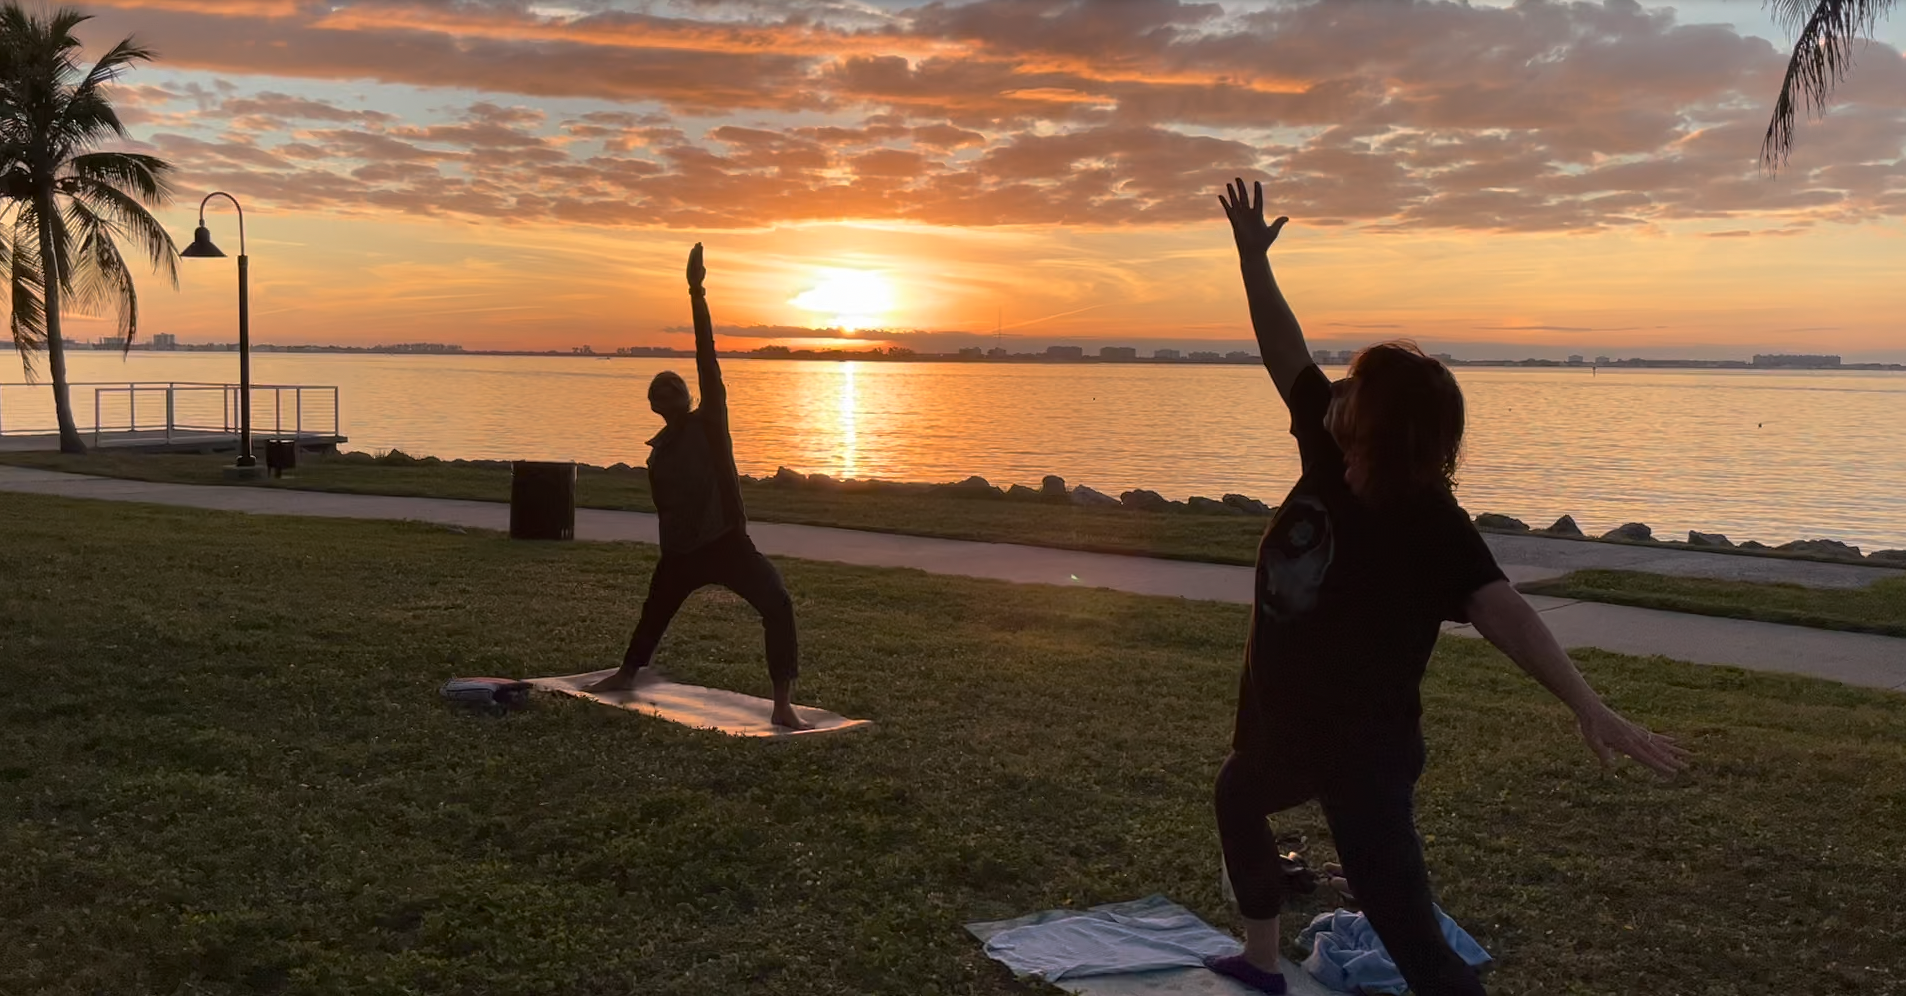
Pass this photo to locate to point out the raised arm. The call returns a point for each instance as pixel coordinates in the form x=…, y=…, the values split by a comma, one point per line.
x=714, y=393
x=1506, y=620
x=1279, y=338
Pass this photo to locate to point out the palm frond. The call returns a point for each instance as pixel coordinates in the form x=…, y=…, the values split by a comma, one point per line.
x=147, y=178
x=114, y=64
x=90, y=111
x=26, y=305
x=1822, y=56
x=101, y=281
x=131, y=220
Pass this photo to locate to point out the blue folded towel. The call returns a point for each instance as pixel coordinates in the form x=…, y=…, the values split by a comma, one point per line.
x=1345, y=953
x=1140, y=936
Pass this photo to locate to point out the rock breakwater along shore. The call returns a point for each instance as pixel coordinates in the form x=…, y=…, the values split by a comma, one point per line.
x=1053, y=489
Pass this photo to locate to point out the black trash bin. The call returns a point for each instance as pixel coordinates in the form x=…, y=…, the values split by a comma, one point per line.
x=542, y=500
x=281, y=455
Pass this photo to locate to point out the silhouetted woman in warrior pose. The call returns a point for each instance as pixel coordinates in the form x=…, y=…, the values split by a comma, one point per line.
x=704, y=528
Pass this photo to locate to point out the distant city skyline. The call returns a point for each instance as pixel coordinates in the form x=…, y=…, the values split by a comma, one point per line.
x=1009, y=345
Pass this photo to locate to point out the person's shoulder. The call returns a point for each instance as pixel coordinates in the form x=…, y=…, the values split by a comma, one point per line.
x=1436, y=508
x=1311, y=383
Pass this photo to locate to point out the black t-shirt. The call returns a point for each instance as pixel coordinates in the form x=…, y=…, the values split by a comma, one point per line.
x=1348, y=603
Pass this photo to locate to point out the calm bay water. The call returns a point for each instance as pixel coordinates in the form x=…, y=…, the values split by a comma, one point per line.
x=1754, y=454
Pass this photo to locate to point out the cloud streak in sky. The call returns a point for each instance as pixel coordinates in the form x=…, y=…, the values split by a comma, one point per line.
x=1541, y=117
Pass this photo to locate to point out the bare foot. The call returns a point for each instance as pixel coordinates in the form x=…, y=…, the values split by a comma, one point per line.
x=784, y=717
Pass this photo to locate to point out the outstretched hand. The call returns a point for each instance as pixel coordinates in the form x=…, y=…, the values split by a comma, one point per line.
x=1247, y=217
x=1609, y=733
x=696, y=271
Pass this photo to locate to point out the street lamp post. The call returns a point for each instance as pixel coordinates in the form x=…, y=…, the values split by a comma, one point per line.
x=202, y=248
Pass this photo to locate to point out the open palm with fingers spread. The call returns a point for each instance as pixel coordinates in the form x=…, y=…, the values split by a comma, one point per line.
x=1247, y=217
x=1609, y=733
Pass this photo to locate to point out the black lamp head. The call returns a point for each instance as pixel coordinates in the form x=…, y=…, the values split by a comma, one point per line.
x=202, y=247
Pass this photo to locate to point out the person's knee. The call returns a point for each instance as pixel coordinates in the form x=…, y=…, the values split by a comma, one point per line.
x=777, y=608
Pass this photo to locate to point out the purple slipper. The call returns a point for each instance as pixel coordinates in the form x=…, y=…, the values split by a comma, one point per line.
x=1235, y=967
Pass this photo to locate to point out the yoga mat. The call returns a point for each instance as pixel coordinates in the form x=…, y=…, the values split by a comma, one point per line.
x=702, y=708
x=1175, y=981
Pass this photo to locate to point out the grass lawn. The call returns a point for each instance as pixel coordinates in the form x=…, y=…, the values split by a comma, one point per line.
x=1177, y=535
x=1877, y=608
x=223, y=769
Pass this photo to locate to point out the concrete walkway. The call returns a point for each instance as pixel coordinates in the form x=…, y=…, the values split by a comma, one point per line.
x=1853, y=658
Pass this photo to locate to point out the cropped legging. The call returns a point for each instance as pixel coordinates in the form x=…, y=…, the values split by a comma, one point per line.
x=1372, y=820
x=732, y=562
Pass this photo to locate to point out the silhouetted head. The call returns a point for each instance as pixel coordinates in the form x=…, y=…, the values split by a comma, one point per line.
x=668, y=395
x=1399, y=418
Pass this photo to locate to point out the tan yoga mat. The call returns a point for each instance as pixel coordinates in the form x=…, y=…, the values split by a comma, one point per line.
x=702, y=708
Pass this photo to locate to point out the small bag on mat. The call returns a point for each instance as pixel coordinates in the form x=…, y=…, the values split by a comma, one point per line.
x=498, y=695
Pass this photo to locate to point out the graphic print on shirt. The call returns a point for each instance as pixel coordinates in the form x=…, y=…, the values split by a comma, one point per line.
x=1294, y=559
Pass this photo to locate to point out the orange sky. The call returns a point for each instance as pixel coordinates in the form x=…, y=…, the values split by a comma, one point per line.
x=1542, y=179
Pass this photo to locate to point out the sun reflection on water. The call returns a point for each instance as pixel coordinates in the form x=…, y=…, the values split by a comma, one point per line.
x=848, y=404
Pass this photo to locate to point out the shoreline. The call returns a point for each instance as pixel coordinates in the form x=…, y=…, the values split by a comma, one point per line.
x=903, y=355
x=1054, y=491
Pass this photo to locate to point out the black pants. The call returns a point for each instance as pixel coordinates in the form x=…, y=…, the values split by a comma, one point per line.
x=734, y=563
x=1371, y=817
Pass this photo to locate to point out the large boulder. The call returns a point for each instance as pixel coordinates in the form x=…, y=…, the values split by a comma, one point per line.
x=1083, y=495
x=1209, y=506
x=1889, y=557
x=972, y=487
x=1821, y=548
x=788, y=476
x=1020, y=492
x=822, y=481
x=1754, y=545
x=1145, y=501
x=1249, y=506
x=1708, y=539
x=1501, y=523
x=1632, y=532
x=1565, y=526
x=1053, y=486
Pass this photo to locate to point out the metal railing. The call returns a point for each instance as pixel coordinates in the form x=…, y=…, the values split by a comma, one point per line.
x=177, y=410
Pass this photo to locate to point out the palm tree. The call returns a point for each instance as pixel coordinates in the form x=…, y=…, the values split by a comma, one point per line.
x=1822, y=56
x=70, y=204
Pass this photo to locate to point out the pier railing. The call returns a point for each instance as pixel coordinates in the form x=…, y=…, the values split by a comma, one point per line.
x=174, y=411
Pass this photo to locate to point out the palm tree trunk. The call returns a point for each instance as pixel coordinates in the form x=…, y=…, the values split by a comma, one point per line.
x=52, y=274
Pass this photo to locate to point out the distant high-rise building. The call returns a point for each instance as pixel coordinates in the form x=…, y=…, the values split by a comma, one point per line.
x=972, y=353
x=1323, y=357
x=110, y=342
x=1239, y=356
x=164, y=340
x=1165, y=354
x=1601, y=361
x=1785, y=360
x=1443, y=357
x=1575, y=360
x=1065, y=352
x=1117, y=353
x=997, y=353
x=1206, y=355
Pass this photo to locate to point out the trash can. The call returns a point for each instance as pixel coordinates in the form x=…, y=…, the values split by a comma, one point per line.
x=281, y=455
x=542, y=500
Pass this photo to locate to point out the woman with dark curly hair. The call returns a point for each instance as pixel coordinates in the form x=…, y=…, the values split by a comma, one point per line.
x=1360, y=567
